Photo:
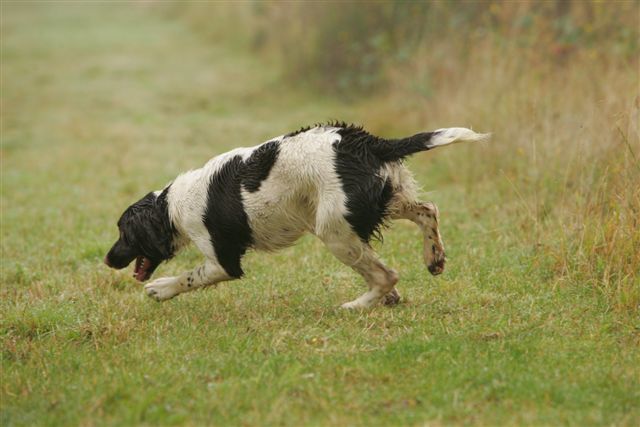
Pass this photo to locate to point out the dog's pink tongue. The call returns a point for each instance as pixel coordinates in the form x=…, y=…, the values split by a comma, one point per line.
x=141, y=271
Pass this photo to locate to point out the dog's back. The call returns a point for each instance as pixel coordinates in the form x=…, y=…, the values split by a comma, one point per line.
x=306, y=181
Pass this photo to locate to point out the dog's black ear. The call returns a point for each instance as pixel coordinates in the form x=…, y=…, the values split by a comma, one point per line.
x=146, y=226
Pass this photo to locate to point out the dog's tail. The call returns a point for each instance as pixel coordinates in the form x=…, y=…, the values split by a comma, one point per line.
x=396, y=149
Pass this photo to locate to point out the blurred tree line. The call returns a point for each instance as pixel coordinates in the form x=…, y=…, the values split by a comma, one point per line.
x=351, y=45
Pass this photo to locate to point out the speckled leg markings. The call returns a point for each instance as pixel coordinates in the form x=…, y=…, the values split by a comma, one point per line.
x=426, y=216
x=168, y=287
x=392, y=298
x=349, y=249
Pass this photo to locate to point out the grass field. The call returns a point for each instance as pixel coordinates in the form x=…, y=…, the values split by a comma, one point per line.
x=103, y=103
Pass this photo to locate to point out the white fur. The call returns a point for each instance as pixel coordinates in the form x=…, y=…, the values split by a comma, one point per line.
x=448, y=136
x=302, y=194
x=187, y=200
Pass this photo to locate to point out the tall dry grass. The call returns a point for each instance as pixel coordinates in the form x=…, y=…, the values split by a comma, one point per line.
x=567, y=142
x=557, y=82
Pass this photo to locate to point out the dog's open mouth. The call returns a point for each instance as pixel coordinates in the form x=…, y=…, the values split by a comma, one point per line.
x=143, y=268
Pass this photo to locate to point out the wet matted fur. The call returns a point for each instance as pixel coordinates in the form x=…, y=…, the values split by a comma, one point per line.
x=335, y=181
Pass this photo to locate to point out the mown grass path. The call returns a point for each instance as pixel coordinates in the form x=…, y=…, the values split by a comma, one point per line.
x=102, y=103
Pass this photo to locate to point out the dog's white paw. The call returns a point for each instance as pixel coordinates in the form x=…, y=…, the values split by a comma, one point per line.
x=356, y=305
x=351, y=305
x=163, y=288
x=366, y=300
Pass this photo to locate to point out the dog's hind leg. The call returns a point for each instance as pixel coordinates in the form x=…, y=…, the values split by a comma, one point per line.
x=349, y=249
x=168, y=287
x=426, y=216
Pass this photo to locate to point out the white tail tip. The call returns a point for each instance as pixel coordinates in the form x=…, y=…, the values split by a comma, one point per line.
x=454, y=135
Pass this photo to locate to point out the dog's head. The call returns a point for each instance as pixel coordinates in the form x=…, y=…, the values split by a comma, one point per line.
x=146, y=235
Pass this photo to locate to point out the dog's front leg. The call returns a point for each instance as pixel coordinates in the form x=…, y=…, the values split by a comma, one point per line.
x=165, y=288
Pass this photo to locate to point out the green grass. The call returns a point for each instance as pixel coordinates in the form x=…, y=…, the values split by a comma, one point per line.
x=101, y=104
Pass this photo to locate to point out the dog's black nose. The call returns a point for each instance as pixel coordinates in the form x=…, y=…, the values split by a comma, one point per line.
x=106, y=261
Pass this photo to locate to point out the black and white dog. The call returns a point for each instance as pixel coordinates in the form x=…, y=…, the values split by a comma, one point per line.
x=335, y=181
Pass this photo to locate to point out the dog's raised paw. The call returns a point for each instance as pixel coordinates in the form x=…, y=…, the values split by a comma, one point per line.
x=162, y=289
x=391, y=299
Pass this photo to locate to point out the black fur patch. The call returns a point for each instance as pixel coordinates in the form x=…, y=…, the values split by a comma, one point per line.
x=368, y=195
x=359, y=157
x=259, y=164
x=225, y=217
x=162, y=207
x=145, y=230
x=299, y=131
x=147, y=227
x=333, y=123
x=387, y=150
